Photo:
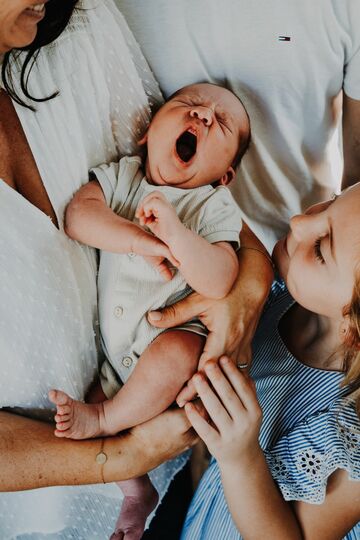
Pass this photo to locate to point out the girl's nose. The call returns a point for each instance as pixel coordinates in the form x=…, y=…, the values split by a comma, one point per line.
x=203, y=113
x=306, y=226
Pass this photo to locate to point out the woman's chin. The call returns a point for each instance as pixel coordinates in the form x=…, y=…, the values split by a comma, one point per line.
x=24, y=36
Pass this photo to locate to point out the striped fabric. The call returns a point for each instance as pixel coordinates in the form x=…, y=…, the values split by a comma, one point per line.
x=309, y=430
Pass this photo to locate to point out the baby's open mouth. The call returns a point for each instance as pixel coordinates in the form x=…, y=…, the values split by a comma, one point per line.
x=186, y=146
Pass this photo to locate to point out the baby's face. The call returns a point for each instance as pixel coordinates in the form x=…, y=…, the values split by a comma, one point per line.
x=194, y=138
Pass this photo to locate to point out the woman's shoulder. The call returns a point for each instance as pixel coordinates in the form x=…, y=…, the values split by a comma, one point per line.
x=303, y=459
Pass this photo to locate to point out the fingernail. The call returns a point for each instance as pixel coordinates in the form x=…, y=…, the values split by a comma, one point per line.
x=224, y=360
x=155, y=315
x=181, y=403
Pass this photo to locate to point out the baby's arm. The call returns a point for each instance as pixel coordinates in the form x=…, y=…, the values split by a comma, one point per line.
x=89, y=220
x=210, y=269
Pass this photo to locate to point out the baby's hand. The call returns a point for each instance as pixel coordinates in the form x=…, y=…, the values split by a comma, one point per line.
x=155, y=252
x=162, y=266
x=233, y=409
x=158, y=214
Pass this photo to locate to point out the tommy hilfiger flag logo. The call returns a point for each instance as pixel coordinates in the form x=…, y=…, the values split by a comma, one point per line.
x=284, y=38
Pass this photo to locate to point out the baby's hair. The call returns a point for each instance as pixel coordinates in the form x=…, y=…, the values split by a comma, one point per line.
x=352, y=344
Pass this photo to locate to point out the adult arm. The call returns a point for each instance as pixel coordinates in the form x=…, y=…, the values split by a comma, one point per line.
x=255, y=502
x=351, y=141
x=32, y=457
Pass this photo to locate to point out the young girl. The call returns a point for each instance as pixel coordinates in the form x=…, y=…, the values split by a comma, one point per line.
x=306, y=367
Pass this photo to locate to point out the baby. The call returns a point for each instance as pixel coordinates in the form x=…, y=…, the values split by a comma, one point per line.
x=161, y=236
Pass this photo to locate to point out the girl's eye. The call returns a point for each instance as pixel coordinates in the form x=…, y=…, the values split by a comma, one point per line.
x=317, y=251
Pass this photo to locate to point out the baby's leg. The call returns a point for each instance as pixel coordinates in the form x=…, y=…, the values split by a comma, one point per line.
x=162, y=370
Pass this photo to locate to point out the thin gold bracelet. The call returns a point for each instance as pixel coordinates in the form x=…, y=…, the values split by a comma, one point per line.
x=101, y=458
x=262, y=252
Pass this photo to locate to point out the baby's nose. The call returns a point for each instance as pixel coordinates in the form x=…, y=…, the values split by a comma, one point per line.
x=203, y=113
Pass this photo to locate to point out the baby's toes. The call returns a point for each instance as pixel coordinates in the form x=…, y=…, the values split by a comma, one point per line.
x=63, y=409
x=59, y=398
x=61, y=434
x=62, y=418
x=63, y=425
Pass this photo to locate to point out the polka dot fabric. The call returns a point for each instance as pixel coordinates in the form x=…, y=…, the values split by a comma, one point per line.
x=48, y=312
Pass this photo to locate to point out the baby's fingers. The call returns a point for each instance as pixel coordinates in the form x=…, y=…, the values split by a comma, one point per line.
x=161, y=266
x=170, y=257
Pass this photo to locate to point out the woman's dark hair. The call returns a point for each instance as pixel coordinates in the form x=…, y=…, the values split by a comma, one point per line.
x=57, y=16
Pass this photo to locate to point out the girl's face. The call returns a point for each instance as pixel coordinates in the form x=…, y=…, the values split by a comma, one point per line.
x=319, y=256
x=18, y=22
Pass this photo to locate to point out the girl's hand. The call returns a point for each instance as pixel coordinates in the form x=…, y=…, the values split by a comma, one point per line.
x=233, y=409
x=159, y=215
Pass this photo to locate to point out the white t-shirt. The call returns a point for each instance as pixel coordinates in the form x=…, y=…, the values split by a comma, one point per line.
x=287, y=60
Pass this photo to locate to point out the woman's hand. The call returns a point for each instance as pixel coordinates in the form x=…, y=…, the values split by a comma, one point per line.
x=235, y=414
x=163, y=437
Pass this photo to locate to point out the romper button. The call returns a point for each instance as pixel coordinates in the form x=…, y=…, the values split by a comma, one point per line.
x=118, y=311
x=127, y=361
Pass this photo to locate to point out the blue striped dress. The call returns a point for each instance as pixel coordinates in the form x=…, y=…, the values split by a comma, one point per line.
x=309, y=430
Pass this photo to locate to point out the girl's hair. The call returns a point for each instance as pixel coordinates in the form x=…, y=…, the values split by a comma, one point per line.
x=57, y=16
x=352, y=344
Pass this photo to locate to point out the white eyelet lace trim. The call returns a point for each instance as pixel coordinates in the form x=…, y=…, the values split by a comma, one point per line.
x=303, y=476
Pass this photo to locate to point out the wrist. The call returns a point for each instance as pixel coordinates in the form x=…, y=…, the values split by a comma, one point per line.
x=138, y=237
x=243, y=463
x=263, y=252
x=258, y=271
x=176, y=238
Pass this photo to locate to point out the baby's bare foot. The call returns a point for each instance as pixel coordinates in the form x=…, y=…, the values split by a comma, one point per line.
x=134, y=512
x=74, y=419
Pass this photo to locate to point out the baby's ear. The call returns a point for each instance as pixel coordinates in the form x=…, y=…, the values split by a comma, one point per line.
x=143, y=139
x=227, y=177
